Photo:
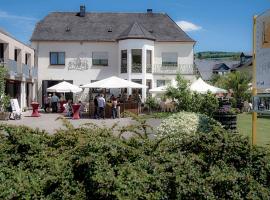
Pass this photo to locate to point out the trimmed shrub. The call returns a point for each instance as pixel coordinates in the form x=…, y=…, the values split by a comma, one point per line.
x=90, y=163
x=185, y=124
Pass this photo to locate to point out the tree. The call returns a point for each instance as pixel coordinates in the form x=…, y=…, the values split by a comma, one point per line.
x=191, y=101
x=237, y=82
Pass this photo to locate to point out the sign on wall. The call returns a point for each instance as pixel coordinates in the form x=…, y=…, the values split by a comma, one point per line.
x=80, y=63
x=262, y=37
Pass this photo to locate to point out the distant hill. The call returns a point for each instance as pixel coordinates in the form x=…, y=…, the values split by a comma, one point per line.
x=218, y=55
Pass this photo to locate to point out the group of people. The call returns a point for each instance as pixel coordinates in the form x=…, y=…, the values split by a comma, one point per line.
x=100, y=104
x=51, y=103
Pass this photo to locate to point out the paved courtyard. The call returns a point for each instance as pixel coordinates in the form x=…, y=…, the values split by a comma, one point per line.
x=49, y=122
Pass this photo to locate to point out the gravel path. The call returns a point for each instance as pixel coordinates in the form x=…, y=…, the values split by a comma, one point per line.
x=49, y=123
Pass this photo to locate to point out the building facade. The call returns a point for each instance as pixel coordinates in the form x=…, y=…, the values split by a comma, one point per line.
x=147, y=48
x=21, y=80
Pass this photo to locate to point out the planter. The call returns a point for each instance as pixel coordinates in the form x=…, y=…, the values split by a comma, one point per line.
x=228, y=120
x=4, y=115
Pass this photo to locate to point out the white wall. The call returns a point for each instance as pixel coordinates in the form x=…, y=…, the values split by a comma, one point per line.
x=15, y=44
x=84, y=50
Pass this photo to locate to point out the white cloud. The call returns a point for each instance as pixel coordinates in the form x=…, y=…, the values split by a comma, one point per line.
x=8, y=16
x=188, y=26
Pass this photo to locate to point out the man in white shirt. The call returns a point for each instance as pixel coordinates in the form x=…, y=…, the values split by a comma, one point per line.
x=101, y=106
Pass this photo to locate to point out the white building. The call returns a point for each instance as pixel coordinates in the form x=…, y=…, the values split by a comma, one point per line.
x=21, y=81
x=147, y=48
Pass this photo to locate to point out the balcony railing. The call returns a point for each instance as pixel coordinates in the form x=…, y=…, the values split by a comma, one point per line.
x=123, y=69
x=149, y=68
x=136, y=68
x=26, y=69
x=11, y=65
x=185, y=69
x=34, y=72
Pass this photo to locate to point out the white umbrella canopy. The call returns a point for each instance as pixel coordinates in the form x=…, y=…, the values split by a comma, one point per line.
x=158, y=90
x=202, y=87
x=64, y=87
x=113, y=82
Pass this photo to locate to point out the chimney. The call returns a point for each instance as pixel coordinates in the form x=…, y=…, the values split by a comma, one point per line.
x=82, y=10
x=149, y=10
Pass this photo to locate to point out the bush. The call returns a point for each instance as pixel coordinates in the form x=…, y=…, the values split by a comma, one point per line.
x=151, y=103
x=185, y=123
x=192, y=101
x=90, y=163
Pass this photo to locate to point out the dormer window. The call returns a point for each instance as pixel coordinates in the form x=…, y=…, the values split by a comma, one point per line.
x=110, y=29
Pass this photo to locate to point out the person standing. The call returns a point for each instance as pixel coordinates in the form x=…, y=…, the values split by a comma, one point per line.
x=96, y=106
x=101, y=106
x=54, y=100
x=114, y=108
x=46, y=103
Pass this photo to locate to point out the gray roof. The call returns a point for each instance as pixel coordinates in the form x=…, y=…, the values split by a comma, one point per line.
x=68, y=26
x=136, y=31
x=221, y=66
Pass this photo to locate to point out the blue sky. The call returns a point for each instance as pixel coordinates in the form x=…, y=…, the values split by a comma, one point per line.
x=220, y=25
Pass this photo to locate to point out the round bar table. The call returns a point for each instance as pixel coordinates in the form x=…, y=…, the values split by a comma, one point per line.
x=35, y=109
x=76, y=111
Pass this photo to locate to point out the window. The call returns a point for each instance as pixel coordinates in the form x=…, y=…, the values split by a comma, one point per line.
x=57, y=58
x=149, y=57
x=16, y=54
x=148, y=61
x=136, y=57
x=100, y=58
x=163, y=82
x=169, y=59
x=124, y=61
x=27, y=58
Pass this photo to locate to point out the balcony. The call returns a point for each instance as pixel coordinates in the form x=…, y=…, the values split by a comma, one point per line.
x=184, y=69
x=11, y=66
x=34, y=72
x=123, y=69
x=136, y=68
x=26, y=69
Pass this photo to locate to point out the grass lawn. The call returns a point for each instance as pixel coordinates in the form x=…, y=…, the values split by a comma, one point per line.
x=263, y=128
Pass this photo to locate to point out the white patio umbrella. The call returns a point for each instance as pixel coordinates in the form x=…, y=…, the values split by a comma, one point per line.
x=64, y=87
x=113, y=82
x=202, y=87
x=158, y=90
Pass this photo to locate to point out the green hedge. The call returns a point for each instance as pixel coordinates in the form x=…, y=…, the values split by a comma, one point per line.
x=90, y=163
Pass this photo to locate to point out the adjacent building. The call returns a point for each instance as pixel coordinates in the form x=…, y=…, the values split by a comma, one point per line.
x=82, y=47
x=18, y=58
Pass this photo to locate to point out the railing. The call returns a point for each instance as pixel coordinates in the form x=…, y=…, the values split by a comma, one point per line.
x=185, y=69
x=26, y=69
x=149, y=68
x=12, y=67
x=136, y=68
x=34, y=72
x=123, y=69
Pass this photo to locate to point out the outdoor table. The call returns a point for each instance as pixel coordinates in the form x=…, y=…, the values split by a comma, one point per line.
x=76, y=111
x=35, y=109
x=62, y=108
